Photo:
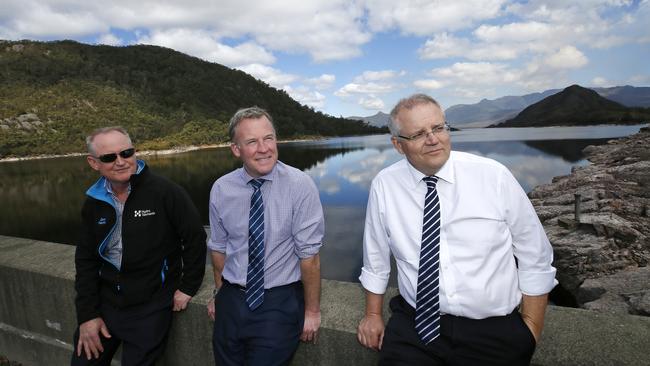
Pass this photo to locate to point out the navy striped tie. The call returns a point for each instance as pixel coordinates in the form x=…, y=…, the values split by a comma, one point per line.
x=427, y=309
x=255, y=276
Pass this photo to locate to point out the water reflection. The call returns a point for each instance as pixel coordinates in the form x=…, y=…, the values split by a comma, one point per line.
x=42, y=198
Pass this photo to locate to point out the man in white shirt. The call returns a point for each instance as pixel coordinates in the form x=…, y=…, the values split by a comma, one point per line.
x=473, y=261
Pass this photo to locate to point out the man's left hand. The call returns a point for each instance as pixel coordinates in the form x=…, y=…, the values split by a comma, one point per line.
x=534, y=328
x=532, y=312
x=180, y=300
x=310, y=329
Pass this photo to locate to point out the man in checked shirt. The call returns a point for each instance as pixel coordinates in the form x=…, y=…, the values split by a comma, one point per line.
x=267, y=227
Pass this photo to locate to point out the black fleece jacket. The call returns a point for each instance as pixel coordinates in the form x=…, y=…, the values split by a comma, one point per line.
x=163, y=246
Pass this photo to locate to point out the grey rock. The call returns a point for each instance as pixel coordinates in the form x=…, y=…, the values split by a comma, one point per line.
x=640, y=303
x=603, y=258
x=27, y=117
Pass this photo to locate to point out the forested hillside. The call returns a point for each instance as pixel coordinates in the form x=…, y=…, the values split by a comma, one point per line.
x=53, y=93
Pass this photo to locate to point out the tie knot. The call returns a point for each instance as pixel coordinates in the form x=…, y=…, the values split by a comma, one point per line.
x=256, y=183
x=431, y=181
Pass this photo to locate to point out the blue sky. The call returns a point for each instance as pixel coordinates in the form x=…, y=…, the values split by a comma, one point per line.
x=359, y=57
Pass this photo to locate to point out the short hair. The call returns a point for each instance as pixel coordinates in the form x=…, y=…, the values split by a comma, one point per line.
x=91, y=138
x=407, y=104
x=246, y=113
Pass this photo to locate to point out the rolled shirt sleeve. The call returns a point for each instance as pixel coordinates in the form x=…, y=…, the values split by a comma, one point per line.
x=218, y=234
x=531, y=246
x=376, y=252
x=309, y=222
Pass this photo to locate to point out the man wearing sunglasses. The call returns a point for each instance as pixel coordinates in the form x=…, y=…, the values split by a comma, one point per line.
x=141, y=256
x=473, y=261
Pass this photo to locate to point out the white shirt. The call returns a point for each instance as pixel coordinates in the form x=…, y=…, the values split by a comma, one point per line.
x=487, y=221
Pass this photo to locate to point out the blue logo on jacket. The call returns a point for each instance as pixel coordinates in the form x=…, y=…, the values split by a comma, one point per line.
x=102, y=221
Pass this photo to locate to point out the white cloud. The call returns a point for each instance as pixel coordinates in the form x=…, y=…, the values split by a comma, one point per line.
x=472, y=80
x=514, y=32
x=371, y=83
x=370, y=76
x=567, y=57
x=541, y=27
x=110, y=39
x=206, y=46
x=639, y=79
x=368, y=88
x=305, y=96
x=600, y=81
x=445, y=45
x=428, y=84
x=424, y=18
x=323, y=29
x=42, y=19
x=476, y=73
x=371, y=102
x=322, y=82
x=269, y=75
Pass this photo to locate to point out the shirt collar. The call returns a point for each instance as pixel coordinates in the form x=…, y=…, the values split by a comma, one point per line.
x=271, y=176
x=445, y=173
x=109, y=188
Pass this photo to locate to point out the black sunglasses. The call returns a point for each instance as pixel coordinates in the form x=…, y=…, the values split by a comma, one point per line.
x=109, y=158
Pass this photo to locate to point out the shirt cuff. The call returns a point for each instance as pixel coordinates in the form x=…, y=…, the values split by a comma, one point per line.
x=308, y=251
x=216, y=247
x=372, y=282
x=537, y=283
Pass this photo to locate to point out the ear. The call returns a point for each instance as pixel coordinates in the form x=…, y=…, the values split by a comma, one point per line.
x=92, y=162
x=397, y=144
x=235, y=150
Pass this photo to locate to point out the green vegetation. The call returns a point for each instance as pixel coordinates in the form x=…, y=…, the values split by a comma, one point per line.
x=162, y=97
x=577, y=106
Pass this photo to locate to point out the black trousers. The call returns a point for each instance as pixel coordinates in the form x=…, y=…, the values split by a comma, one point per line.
x=268, y=335
x=141, y=330
x=501, y=340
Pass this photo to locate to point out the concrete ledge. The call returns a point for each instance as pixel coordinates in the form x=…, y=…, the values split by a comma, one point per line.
x=37, y=320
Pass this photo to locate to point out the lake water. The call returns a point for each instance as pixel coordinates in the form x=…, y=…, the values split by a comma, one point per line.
x=41, y=199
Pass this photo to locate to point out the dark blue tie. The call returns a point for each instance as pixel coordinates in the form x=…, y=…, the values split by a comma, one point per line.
x=427, y=309
x=255, y=276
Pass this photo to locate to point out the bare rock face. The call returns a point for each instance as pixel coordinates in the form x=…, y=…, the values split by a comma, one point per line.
x=602, y=255
x=27, y=122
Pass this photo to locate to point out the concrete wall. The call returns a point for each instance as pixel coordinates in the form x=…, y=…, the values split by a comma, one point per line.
x=37, y=320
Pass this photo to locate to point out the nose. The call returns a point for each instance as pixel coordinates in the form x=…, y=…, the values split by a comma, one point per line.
x=120, y=160
x=262, y=146
x=431, y=138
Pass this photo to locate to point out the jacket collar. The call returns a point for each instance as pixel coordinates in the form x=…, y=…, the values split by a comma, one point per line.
x=99, y=191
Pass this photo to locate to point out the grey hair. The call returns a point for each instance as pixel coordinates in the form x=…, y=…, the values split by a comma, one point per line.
x=408, y=103
x=246, y=113
x=91, y=138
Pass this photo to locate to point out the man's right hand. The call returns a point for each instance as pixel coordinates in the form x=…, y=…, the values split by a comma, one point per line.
x=211, y=308
x=370, y=332
x=89, y=341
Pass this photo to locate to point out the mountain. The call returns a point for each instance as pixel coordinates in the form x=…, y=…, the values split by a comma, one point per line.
x=629, y=96
x=576, y=106
x=380, y=119
x=53, y=93
x=487, y=112
x=494, y=111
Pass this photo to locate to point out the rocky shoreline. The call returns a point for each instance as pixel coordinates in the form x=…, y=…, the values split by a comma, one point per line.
x=603, y=254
